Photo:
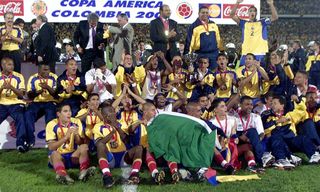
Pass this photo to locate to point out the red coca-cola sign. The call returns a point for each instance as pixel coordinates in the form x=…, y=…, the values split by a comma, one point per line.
x=15, y=6
x=242, y=11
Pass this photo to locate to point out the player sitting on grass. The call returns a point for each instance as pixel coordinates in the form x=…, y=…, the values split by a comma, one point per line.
x=280, y=128
x=113, y=149
x=90, y=116
x=64, y=137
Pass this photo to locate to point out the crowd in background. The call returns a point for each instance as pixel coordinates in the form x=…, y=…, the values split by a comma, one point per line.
x=291, y=29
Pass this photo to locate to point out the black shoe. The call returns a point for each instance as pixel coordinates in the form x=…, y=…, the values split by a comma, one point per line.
x=229, y=169
x=30, y=145
x=134, y=179
x=107, y=181
x=85, y=174
x=175, y=177
x=65, y=180
x=22, y=149
x=159, y=177
x=255, y=169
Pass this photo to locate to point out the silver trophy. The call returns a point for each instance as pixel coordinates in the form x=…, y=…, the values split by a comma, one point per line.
x=190, y=58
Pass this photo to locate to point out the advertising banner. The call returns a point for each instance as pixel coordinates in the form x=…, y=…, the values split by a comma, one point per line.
x=8, y=134
x=138, y=11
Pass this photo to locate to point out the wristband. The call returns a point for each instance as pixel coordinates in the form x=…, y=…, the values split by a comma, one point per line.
x=133, y=84
x=174, y=90
x=234, y=136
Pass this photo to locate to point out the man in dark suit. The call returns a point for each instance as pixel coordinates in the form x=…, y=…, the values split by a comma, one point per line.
x=45, y=43
x=88, y=38
x=141, y=55
x=164, y=34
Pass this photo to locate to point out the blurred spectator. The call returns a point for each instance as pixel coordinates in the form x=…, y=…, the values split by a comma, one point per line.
x=32, y=55
x=181, y=48
x=297, y=58
x=69, y=51
x=302, y=29
x=296, y=7
x=24, y=45
x=141, y=55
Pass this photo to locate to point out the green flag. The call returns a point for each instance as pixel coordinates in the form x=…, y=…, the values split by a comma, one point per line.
x=181, y=138
x=107, y=58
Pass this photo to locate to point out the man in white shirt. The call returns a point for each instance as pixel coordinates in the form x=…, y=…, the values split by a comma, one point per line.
x=88, y=39
x=250, y=128
x=101, y=80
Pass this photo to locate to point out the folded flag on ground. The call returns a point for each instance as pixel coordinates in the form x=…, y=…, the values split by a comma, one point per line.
x=181, y=138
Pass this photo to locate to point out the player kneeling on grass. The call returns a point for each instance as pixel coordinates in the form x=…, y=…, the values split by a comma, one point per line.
x=64, y=136
x=138, y=131
x=112, y=148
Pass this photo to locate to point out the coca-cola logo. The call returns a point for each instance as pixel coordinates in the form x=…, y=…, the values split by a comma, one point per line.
x=242, y=11
x=15, y=6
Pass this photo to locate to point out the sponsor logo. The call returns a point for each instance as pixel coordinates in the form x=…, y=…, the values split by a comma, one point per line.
x=39, y=7
x=214, y=9
x=15, y=6
x=184, y=10
x=242, y=11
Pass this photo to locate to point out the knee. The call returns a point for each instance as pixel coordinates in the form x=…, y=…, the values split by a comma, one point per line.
x=139, y=149
x=55, y=155
x=83, y=148
x=100, y=145
x=253, y=132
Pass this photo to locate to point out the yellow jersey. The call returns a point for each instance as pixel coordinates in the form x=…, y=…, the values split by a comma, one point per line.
x=227, y=79
x=311, y=60
x=91, y=120
x=251, y=89
x=8, y=97
x=8, y=44
x=138, y=73
x=182, y=76
x=255, y=36
x=78, y=82
x=127, y=118
x=140, y=136
x=115, y=145
x=55, y=131
x=33, y=85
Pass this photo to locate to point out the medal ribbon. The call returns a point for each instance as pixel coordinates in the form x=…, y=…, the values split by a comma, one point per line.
x=127, y=119
x=114, y=136
x=206, y=26
x=245, y=126
x=95, y=119
x=224, y=129
x=61, y=129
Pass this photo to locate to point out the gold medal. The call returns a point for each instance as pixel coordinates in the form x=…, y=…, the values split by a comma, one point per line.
x=64, y=146
x=8, y=93
x=154, y=86
x=113, y=144
x=43, y=94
